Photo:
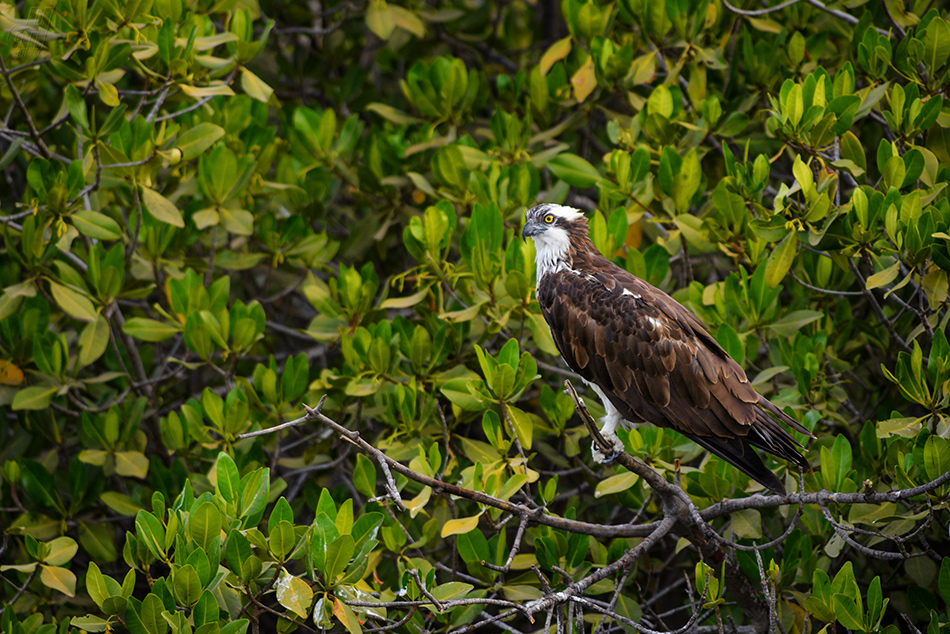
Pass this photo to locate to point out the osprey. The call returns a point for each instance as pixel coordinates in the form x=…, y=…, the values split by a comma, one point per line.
x=648, y=358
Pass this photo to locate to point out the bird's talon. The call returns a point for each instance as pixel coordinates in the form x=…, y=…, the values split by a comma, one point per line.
x=602, y=458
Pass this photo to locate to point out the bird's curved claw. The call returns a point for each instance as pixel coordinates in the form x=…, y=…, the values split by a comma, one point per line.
x=603, y=458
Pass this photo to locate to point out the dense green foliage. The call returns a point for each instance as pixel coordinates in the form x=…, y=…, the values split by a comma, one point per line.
x=215, y=212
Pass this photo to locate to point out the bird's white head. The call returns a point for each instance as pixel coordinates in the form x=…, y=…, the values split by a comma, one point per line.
x=550, y=225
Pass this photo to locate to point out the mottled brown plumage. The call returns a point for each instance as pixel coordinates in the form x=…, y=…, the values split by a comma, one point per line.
x=651, y=358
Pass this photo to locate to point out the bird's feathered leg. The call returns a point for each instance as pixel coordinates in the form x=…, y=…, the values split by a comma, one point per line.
x=610, y=421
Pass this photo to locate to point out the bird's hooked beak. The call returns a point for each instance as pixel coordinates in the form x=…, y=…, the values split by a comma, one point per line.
x=531, y=229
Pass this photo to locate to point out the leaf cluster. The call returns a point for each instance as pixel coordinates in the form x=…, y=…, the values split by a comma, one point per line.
x=215, y=212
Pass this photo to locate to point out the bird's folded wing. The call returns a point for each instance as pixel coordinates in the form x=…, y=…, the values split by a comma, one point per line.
x=652, y=357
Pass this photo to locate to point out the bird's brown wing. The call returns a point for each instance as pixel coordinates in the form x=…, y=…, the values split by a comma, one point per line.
x=652, y=357
x=657, y=363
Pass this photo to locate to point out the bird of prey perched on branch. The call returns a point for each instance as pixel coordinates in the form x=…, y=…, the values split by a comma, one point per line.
x=649, y=359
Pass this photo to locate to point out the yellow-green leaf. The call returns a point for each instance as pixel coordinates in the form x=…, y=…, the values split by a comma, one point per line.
x=747, y=524
x=407, y=20
x=161, y=208
x=131, y=463
x=58, y=579
x=460, y=525
x=120, y=503
x=584, y=80
x=380, y=19
x=95, y=457
x=780, y=261
x=149, y=329
x=76, y=304
x=557, y=51
x=346, y=616
x=196, y=140
x=404, y=302
x=93, y=340
x=61, y=550
x=616, y=483
x=237, y=221
x=294, y=594
x=884, y=277
x=214, y=90
x=394, y=115
x=96, y=225
x=108, y=93
x=205, y=218
x=33, y=398
x=254, y=87
x=524, y=426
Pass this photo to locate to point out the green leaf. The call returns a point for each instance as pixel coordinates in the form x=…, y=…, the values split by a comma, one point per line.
x=282, y=540
x=847, y=613
x=96, y=225
x=228, y=478
x=77, y=106
x=730, y=342
x=884, y=277
x=793, y=322
x=254, y=491
x=574, y=170
x=407, y=20
x=936, y=45
x=149, y=329
x=146, y=618
x=205, y=523
x=89, y=623
x=187, y=585
x=120, y=503
x=151, y=532
x=96, y=585
x=161, y=208
x=936, y=456
x=747, y=524
x=364, y=476
x=780, y=260
x=33, y=398
x=339, y=553
x=944, y=580
x=692, y=229
x=206, y=610
x=195, y=141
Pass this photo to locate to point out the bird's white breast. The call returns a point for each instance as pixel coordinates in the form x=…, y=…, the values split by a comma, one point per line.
x=551, y=249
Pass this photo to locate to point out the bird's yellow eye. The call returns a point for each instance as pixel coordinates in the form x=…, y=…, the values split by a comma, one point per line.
x=549, y=218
